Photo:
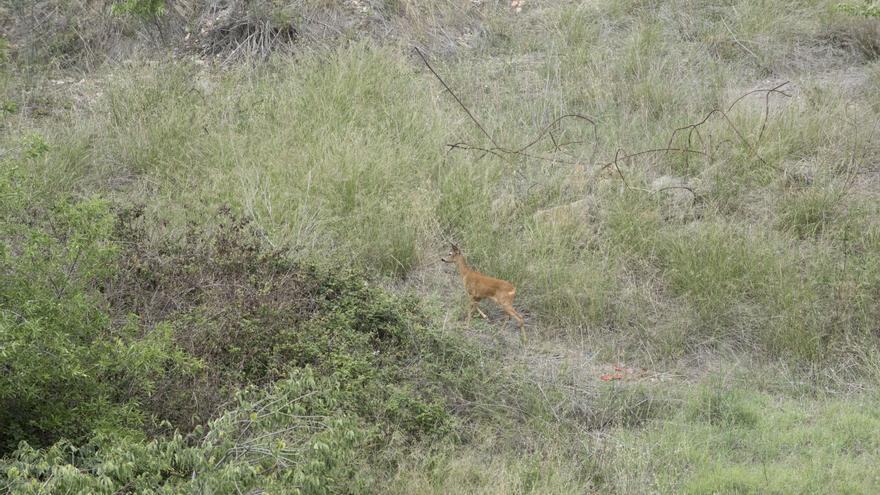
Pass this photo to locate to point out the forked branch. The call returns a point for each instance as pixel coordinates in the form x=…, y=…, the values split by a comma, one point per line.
x=501, y=151
x=692, y=130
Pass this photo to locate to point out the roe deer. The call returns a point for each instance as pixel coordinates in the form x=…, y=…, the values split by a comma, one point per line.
x=479, y=287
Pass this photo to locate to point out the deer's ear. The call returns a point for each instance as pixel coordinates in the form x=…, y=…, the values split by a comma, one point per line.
x=455, y=248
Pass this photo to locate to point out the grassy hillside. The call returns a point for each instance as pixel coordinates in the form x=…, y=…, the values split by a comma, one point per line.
x=221, y=251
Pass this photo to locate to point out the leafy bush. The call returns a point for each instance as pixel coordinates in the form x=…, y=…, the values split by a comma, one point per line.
x=36, y=147
x=249, y=315
x=144, y=9
x=116, y=342
x=287, y=439
x=66, y=368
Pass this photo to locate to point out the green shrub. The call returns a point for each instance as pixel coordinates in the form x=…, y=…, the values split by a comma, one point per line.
x=250, y=315
x=144, y=9
x=287, y=438
x=307, y=357
x=67, y=369
x=36, y=146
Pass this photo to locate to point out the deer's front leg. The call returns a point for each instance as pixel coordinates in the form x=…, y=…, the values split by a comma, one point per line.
x=470, y=312
x=474, y=306
x=481, y=313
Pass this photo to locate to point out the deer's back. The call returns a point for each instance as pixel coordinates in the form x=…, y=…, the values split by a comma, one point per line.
x=484, y=286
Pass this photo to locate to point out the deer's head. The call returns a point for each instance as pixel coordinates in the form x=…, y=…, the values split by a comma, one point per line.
x=452, y=256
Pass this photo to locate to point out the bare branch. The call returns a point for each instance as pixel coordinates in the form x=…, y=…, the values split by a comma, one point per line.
x=775, y=89
x=550, y=126
x=474, y=119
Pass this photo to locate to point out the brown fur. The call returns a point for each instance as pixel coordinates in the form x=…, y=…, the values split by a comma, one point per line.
x=479, y=287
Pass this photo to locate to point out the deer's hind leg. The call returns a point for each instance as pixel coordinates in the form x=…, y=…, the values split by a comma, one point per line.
x=508, y=308
x=506, y=303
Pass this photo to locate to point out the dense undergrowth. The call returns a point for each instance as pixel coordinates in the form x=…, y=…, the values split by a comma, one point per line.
x=219, y=268
x=142, y=361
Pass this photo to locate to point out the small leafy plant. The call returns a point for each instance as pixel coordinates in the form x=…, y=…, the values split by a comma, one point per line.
x=146, y=10
x=865, y=9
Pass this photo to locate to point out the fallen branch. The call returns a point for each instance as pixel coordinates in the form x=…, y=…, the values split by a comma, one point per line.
x=504, y=153
x=462, y=105
x=500, y=151
x=548, y=131
x=693, y=130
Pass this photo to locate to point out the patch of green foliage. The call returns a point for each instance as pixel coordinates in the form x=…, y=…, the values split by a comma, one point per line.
x=117, y=348
x=144, y=9
x=67, y=369
x=868, y=8
x=249, y=315
x=35, y=146
x=289, y=437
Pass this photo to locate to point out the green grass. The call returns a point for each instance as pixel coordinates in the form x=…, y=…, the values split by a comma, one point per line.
x=336, y=158
x=339, y=156
x=737, y=440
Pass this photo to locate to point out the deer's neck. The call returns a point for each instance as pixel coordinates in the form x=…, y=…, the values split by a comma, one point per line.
x=463, y=269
